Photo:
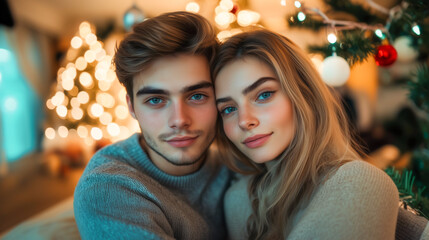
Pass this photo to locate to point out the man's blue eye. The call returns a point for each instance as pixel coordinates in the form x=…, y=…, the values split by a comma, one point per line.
x=265, y=95
x=155, y=101
x=197, y=97
x=228, y=110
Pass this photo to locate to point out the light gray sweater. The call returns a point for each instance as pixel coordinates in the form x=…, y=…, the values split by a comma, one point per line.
x=359, y=201
x=123, y=195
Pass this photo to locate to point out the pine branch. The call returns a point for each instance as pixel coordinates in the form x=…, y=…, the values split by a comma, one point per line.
x=419, y=90
x=308, y=23
x=361, y=14
x=354, y=47
x=405, y=184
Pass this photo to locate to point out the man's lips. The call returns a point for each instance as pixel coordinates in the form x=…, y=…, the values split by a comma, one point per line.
x=256, y=140
x=182, y=141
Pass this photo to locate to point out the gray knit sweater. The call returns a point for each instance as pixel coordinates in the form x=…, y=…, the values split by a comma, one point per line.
x=358, y=202
x=123, y=195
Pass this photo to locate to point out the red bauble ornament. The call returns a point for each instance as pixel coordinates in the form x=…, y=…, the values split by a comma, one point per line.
x=385, y=55
x=234, y=9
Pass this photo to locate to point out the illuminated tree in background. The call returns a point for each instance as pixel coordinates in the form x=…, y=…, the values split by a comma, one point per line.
x=88, y=100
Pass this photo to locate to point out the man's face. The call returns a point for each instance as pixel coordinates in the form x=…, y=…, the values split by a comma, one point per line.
x=174, y=104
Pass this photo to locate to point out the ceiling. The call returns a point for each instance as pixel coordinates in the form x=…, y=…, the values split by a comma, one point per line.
x=61, y=17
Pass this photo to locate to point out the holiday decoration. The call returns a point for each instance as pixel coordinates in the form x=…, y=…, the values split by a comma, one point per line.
x=406, y=53
x=335, y=71
x=132, y=16
x=385, y=55
x=87, y=102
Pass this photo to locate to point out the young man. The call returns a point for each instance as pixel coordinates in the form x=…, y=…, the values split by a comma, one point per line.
x=164, y=183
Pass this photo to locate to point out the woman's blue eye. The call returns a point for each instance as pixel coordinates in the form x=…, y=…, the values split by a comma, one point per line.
x=228, y=110
x=265, y=95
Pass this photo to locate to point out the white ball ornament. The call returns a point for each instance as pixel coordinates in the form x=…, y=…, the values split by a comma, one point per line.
x=406, y=53
x=335, y=71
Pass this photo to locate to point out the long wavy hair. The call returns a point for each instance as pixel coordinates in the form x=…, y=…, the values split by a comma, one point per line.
x=322, y=141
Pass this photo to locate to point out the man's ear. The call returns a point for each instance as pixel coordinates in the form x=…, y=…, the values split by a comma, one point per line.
x=130, y=107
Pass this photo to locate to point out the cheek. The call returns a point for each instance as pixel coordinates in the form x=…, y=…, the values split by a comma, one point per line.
x=229, y=129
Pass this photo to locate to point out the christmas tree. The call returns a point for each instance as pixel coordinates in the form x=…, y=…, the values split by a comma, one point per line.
x=87, y=99
x=356, y=32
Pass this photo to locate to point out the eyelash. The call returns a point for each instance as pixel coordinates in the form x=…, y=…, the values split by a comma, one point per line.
x=162, y=101
x=223, y=110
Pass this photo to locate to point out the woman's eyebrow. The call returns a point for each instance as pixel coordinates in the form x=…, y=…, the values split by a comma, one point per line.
x=256, y=84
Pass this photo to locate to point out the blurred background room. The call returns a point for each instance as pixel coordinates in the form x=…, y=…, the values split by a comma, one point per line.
x=60, y=100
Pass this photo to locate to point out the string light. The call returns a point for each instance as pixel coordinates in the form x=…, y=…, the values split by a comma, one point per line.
x=193, y=7
x=297, y=4
x=332, y=38
x=76, y=42
x=416, y=29
x=301, y=16
x=283, y=2
x=63, y=131
x=82, y=131
x=96, y=133
x=50, y=133
x=84, y=29
x=379, y=33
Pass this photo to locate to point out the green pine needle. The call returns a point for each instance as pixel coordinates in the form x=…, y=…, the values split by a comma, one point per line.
x=405, y=184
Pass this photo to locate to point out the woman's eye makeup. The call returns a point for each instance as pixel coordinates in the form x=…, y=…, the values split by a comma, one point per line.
x=264, y=96
x=227, y=110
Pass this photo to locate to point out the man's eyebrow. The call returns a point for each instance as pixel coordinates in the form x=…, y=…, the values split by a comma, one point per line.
x=151, y=90
x=221, y=100
x=257, y=84
x=197, y=86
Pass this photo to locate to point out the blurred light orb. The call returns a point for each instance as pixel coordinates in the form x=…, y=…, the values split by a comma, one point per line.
x=133, y=16
x=193, y=7
x=76, y=42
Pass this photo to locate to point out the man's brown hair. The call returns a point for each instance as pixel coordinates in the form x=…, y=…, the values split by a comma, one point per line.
x=165, y=35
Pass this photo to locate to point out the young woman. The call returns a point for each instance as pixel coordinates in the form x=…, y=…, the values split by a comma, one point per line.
x=306, y=178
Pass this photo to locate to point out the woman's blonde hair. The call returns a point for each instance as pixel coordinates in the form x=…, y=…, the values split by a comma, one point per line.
x=322, y=141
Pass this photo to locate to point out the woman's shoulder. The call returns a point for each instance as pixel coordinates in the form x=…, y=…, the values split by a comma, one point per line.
x=361, y=178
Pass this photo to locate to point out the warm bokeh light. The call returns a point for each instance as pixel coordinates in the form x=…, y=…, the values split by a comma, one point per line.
x=62, y=111
x=90, y=39
x=193, y=7
x=121, y=112
x=50, y=133
x=104, y=85
x=82, y=131
x=89, y=56
x=58, y=98
x=246, y=18
x=100, y=74
x=49, y=104
x=81, y=64
x=96, y=110
x=77, y=113
x=95, y=46
x=74, y=102
x=113, y=129
x=85, y=79
x=83, y=97
x=84, y=29
x=76, y=42
x=105, y=99
x=96, y=133
x=63, y=131
x=106, y=118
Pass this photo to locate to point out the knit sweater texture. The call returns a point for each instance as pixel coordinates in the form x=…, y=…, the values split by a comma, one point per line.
x=123, y=195
x=358, y=201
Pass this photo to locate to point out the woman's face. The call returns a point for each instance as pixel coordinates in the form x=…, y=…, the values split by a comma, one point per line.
x=257, y=115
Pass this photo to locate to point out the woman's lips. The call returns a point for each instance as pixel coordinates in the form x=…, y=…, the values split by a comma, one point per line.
x=257, y=140
x=181, y=142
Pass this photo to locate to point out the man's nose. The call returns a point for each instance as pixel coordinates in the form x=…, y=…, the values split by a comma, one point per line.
x=179, y=117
